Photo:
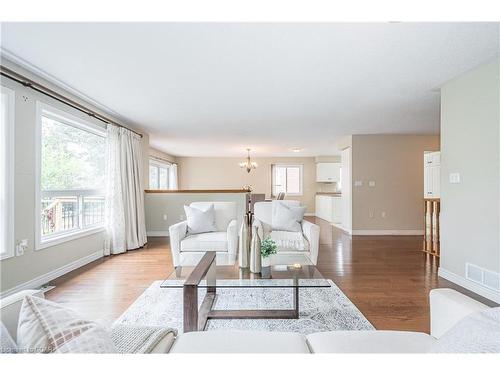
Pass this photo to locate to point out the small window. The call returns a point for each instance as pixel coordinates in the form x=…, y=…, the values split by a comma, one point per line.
x=158, y=175
x=7, y=173
x=72, y=171
x=287, y=179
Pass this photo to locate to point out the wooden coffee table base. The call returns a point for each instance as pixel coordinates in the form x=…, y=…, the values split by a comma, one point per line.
x=196, y=319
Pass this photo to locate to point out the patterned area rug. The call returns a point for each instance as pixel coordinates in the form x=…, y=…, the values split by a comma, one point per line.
x=320, y=309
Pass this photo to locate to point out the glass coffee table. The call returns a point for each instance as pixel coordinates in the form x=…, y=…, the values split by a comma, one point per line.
x=207, y=275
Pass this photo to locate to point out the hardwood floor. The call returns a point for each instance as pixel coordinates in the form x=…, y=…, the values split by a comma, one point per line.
x=387, y=277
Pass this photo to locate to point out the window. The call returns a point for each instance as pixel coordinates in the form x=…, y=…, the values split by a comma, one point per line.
x=71, y=178
x=7, y=173
x=287, y=179
x=158, y=175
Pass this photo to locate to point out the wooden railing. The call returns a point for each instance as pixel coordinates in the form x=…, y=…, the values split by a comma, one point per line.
x=432, y=210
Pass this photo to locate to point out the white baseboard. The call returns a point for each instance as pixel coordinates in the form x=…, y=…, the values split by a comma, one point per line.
x=37, y=282
x=309, y=214
x=470, y=285
x=157, y=233
x=339, y=226
x=387, y=232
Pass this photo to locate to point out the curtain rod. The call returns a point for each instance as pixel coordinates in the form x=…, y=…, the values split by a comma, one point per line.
x=26, y=82
x=161, y=159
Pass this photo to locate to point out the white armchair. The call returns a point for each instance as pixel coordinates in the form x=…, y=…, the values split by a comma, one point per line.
x=293, y=247
x=187, y=249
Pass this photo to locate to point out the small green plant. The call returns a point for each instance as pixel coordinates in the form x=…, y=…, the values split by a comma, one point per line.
x=268, y=247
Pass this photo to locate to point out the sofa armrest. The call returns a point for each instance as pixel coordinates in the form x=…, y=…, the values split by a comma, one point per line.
x=10, y=307
x=232, y=237
x=311, y=233
x=448, y=307
x=177, y=234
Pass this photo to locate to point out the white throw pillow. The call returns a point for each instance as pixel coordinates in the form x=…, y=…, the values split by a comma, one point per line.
x=47, y=327
x=476, y=333
x=7, y=344
x=199, y=221
x=287, y=218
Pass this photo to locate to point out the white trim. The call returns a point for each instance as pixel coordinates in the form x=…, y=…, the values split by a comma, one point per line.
x=49, y=276
x=470, y=285
x=65, y=237
x=57, y=82
x=387, y=232
x=9, y=173
x=157, y=233
x=310, y=214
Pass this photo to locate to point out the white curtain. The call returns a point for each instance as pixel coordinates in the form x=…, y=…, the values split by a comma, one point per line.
x=172, y=178
x=125, y=221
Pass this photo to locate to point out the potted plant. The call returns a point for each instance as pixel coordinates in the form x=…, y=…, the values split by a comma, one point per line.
x=267, y=248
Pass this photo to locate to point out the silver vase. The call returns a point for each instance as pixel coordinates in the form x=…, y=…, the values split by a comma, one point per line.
x=255, y=257
x=244, y=244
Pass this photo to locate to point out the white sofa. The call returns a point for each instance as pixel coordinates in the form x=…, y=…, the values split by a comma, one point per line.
x=187, y=249
x=447, y=308
x=308, y=239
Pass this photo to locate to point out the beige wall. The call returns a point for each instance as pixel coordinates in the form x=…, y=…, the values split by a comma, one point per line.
x=225, y=173
x=395, y=163
x=470, y=145
x=33, y=264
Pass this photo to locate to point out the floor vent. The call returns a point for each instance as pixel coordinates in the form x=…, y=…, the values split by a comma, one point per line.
x=486, y=278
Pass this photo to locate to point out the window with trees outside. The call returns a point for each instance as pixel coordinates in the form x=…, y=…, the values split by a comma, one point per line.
x=158, y=175
x=7, y=173
x=286, y=179
x=71, y=176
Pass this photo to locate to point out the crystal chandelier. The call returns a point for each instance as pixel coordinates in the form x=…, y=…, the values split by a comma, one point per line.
x=248, y=164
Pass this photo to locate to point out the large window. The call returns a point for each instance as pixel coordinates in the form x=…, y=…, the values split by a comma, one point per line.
x=287, y=179
x=71, y=176
x=158, y=175
x=6, y=173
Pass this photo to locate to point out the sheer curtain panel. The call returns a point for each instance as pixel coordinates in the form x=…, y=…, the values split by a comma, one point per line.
x=126, y=229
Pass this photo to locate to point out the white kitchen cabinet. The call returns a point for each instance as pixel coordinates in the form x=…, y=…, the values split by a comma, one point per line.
x=432, y=174
x=327, y=172
x=329, y=208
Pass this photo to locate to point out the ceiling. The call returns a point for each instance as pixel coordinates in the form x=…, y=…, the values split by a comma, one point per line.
x=212, y=89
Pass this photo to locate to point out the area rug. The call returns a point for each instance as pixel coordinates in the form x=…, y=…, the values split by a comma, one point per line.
x=320, y=309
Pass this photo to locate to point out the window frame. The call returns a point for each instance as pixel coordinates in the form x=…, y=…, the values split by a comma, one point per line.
x=159, y=164
x=9, y=173
x=43, y=109
x=301, y=178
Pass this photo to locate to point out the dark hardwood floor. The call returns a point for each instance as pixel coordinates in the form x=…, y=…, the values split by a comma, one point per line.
x=387, y=277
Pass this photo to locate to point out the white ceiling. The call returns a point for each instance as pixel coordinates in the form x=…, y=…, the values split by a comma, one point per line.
x=208, y=89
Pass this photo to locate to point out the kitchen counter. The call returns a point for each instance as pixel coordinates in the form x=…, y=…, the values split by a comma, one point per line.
x=333, y=194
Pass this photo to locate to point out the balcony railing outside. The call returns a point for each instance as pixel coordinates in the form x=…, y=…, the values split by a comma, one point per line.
x=69, y=210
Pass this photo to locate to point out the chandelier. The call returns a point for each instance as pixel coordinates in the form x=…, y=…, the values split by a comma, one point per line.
x=248, y=164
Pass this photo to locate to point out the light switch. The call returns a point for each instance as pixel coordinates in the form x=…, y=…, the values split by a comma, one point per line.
x=454, y=178
x=358, y=183
x=371, y=183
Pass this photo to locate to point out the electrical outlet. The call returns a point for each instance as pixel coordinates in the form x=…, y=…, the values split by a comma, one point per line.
x=358, y=183
x=371, y=183
x=21, y=247
x=383, y=214
x=371, y=214
x=164, y=217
